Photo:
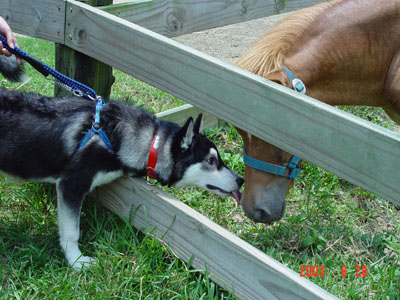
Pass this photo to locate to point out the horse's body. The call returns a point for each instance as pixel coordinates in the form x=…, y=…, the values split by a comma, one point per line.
x=346, y=53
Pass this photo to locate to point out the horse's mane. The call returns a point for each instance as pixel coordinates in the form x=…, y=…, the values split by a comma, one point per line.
x=266, y=55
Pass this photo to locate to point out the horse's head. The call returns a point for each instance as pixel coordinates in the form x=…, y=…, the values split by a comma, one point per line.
x=263, y=199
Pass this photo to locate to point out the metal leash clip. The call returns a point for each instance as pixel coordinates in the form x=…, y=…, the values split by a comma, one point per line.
x=149, y=182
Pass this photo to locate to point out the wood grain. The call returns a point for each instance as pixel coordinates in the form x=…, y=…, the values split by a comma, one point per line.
x=356, y=150
x=43, y=19
x=175, y=18
x=234, y=264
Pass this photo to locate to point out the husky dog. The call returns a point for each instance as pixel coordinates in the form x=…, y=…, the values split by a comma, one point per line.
x=39, y=139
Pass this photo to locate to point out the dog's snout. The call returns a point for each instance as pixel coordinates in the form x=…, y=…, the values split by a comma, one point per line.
x=239, y=181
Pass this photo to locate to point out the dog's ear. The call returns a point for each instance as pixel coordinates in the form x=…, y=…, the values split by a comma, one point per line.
x=186, y=134
x=198, y=124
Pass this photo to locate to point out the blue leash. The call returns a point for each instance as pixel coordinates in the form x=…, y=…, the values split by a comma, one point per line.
x=77, y=88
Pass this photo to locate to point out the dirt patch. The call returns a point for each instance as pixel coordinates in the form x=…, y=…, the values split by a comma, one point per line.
x=228, y=42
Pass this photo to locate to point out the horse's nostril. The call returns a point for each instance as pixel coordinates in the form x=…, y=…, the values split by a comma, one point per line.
x=263, y=216
x=239, y=181
x=261, y=213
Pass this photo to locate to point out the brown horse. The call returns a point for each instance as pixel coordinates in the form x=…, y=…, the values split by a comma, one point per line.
x=346, y=53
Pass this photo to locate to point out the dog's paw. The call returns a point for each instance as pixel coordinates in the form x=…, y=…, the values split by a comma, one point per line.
x=83, y=262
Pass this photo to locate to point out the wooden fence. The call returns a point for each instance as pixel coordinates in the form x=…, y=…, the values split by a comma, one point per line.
x=355, y=150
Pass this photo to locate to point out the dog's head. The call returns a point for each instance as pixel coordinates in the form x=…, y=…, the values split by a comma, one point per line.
x=197, y=163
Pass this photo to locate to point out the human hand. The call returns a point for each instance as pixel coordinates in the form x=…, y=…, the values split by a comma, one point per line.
x=6, y=31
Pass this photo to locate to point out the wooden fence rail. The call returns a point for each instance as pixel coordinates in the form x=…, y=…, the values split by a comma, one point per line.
x=174, y=18
x=37, y=18
x=233, y=263
x=354, y=149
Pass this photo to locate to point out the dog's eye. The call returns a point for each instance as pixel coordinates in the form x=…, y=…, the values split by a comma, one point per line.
x=211, y=161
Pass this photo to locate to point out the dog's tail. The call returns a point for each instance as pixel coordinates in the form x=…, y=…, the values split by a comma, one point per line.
x=11, y=70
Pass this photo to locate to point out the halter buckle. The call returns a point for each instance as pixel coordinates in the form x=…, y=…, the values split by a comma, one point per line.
x=299, y=86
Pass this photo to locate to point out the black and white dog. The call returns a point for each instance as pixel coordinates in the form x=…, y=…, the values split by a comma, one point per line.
x=39, y=139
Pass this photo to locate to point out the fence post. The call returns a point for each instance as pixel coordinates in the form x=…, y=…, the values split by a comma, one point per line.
x=83, y=68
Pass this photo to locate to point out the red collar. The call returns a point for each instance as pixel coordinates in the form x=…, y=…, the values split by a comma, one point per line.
x=153, y=155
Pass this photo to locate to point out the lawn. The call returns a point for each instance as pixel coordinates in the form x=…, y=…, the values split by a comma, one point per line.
x=329, y=222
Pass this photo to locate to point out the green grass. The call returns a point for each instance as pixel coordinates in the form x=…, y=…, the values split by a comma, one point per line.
x=329, y=222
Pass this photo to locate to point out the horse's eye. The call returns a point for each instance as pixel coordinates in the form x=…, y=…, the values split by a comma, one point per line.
x=211, y=161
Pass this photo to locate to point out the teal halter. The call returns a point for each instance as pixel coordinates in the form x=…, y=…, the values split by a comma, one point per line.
x=297, y=84
x=291, y=170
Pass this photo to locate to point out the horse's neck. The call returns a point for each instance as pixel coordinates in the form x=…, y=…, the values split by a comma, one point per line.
x=344, y=57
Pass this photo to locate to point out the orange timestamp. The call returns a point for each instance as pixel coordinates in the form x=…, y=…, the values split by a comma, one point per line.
x=319, y=271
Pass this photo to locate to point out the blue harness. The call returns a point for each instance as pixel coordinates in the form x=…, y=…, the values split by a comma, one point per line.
x=291, y=170
x=96, y=128
x=77, y=88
